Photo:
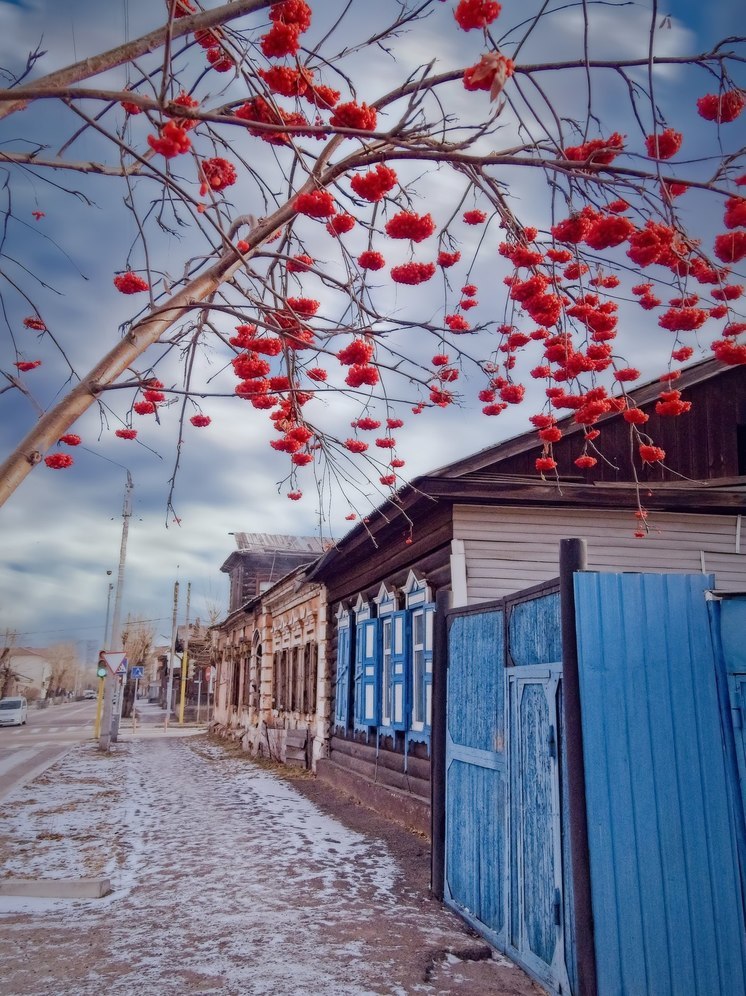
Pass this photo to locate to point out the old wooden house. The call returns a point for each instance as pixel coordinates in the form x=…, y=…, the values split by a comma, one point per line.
x=458, y=672
x=487, y=527
x=272, y=688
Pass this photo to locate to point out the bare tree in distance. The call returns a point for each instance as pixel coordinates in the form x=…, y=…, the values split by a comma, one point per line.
x=137, y=639
x=63, y=659
x=421, y=233
x=8, y=674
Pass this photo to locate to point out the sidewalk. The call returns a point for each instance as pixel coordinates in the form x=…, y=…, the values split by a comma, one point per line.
x=227, y=879
x=150, y=721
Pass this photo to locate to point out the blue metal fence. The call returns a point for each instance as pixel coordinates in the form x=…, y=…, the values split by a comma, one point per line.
x=665, y=878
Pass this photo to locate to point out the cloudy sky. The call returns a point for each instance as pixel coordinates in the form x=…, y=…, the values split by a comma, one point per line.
x=60, y=532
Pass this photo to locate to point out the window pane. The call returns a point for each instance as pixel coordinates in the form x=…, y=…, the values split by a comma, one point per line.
x=398, y=634
x=418, y=661
x=417, y=628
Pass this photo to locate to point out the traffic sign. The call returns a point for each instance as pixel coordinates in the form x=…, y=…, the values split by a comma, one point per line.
x=136, y=672
x=116, y=661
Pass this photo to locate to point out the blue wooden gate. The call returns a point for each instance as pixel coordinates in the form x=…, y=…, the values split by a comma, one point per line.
x=505, y=853
x=663, y=837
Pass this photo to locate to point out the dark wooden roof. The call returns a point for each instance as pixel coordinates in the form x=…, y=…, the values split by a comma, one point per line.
x=699, y=445
x=707, y=444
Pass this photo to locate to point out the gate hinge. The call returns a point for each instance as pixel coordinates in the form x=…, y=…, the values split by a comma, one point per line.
x=552, y=741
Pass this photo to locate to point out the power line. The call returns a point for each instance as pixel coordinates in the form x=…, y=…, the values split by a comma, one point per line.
x=77, y=629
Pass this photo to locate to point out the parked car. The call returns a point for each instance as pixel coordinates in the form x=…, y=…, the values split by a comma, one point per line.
x=13, y=711
x=89, y=694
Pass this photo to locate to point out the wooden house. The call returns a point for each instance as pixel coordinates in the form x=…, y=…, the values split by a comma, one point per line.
x=487, y=527
x=272, y=689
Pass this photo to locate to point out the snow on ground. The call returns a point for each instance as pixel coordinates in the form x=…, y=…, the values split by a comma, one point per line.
x=225, y=880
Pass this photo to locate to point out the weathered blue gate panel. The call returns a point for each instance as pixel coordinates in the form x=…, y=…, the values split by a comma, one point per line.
x=667, y=903
x=568, y=895
x=474, y=854
x=504, y=850
x=534, y=634
x=475, y=771
x=532, y=820
x=476, y=680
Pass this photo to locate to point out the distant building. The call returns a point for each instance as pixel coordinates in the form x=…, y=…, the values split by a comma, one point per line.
x=26, y=671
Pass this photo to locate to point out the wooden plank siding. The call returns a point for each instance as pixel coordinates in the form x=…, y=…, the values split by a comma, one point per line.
x=510, y=548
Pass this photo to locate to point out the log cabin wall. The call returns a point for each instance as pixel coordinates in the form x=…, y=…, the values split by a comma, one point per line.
x=386, y=763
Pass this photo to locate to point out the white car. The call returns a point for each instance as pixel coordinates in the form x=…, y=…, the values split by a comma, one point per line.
x=13, y=711
x=89, y=694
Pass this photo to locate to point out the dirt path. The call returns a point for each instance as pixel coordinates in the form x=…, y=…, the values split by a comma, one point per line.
x=227, y=879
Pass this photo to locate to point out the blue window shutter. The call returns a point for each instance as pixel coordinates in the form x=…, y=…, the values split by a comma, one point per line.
x=399, y=692
x=427, y=684
x=369, y=666
x=421, y=667
x=358, y=692
x=342, y=691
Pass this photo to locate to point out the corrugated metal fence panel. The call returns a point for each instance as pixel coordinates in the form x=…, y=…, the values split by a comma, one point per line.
x=475, y=771
x=667, y=902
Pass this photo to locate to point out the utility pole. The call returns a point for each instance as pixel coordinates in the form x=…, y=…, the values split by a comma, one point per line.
x=185, y=659
x=105, y=644
x=113, y=685
x=172, y=654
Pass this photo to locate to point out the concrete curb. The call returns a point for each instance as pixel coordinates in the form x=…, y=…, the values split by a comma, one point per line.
x=60, y=888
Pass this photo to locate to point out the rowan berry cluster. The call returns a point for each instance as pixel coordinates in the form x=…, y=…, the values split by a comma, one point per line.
x=218, y=173
x=408, y=225
x=353, y=115
x=370, y=260
x=663, y=145
x=172, y=140
x=58, y=461
x=374, y=185
x=412, y=273
x=361, y=374
x=723, y=107
x=598, y=151
x=475, y=14
x=340, y=224
x=130, y=283
x=358, y=351
x=315, y=204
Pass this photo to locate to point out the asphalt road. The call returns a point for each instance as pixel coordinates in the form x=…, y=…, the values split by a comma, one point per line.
x=26, y=751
